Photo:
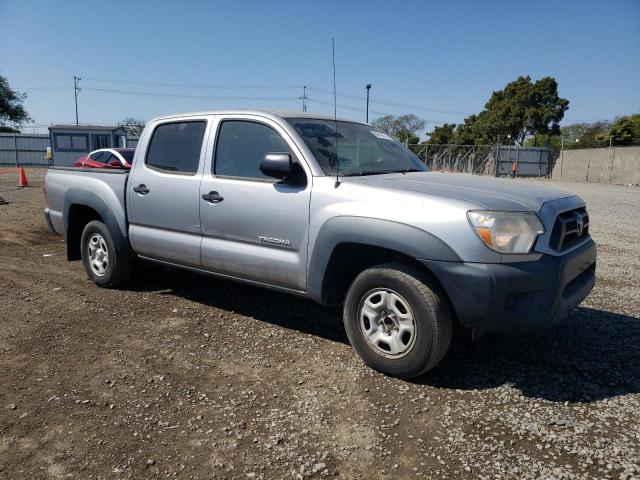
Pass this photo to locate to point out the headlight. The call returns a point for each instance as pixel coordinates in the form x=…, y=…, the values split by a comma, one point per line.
x=507, y=232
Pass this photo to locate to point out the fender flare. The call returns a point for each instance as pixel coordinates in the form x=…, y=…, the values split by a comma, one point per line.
x=74, y=196
x=400, y=237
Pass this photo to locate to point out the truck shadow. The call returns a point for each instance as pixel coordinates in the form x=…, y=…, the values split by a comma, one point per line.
x=261, y=304
x=592, y=356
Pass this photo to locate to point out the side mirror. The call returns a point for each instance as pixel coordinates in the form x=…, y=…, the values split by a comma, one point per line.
x=277, y=165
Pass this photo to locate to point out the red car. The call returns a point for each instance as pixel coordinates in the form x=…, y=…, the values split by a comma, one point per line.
x=107, y=158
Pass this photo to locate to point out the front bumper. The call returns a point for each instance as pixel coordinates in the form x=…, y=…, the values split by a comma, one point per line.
x=522, y=297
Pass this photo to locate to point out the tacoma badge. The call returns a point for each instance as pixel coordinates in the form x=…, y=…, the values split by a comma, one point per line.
x=277, y=241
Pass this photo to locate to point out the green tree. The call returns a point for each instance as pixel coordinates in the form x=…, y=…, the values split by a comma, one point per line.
x=404, y=128
x=132, y=126
x=521, y=110
x=443, y=135
x=524, y=108
x=12, y=112
x=624, y=130
x=473, y=131
x=635, y=119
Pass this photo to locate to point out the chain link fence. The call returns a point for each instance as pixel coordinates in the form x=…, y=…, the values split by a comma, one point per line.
x=499, y=161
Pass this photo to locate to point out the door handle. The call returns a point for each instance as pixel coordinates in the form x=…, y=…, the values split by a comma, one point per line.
x=212, y=197
x=141, y=189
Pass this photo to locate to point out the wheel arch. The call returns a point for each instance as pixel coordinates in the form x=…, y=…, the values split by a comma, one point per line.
x=80, y=208
x=345, y=246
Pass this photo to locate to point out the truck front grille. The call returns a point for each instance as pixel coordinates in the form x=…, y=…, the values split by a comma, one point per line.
x=570, y=229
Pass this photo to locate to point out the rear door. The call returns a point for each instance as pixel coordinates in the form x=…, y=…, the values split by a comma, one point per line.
x=163, y=191
x=254, y=227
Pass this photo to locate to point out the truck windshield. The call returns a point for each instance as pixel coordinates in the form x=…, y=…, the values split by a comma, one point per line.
x=361, y=149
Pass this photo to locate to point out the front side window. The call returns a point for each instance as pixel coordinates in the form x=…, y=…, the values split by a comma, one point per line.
x=356, y=148
x=241, y=146
x=175, y=147
x=98, y=157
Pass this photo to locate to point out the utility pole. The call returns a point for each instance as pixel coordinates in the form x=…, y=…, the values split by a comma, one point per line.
x=368, y=87
x=304, y=98
x=76, y=81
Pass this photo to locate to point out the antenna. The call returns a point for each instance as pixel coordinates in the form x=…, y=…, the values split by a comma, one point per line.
x=335, y=109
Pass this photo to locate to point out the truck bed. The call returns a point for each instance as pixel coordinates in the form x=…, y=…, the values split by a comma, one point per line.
x=65, y=186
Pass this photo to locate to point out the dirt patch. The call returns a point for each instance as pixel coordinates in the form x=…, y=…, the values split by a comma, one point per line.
x=182, y=376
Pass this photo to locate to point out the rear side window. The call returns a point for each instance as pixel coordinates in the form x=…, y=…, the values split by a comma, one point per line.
x=176, y=147
x=110, y=157
x=242, y=145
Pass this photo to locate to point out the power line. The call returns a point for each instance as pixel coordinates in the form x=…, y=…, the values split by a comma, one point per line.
x=185, y=85
x=274, y=87
x=47, y=88
x=178, y=95
x=391, y=104
x=266, y=87
x=357, y=109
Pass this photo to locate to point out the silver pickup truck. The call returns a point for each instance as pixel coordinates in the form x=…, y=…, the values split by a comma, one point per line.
x=339, y=212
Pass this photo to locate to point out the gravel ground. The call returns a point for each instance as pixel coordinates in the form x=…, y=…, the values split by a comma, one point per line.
x=183, y=376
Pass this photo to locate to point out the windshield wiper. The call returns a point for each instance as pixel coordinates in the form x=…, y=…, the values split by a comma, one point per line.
x=381, y=172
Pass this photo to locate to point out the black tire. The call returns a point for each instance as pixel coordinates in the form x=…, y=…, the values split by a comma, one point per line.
x=431, y=312
x=119, y=266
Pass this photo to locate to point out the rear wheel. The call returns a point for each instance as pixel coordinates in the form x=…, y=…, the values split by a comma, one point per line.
x=398, y=320
x=105, y=265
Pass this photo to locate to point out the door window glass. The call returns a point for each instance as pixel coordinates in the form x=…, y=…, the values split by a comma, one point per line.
x=242, y=145
x=176, y=147
x=98, y=157
x=110, y=157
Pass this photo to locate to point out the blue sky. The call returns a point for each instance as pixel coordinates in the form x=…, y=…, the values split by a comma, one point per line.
x=441, y=59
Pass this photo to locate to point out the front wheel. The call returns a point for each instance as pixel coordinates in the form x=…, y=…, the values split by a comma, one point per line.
x=398, y=320
x=105, y=265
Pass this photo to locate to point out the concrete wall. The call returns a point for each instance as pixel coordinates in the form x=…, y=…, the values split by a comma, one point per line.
x=620, y=165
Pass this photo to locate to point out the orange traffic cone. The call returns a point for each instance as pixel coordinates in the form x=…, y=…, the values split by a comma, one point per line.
x=22, y=178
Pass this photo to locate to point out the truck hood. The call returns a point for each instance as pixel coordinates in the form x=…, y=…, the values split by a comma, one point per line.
x=486, y=192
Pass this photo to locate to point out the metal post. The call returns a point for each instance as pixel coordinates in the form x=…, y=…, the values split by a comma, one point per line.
x=76, y=80
x=497, y=160
x=609, y=157
x=426, y=154
x=368, y=88
x=473, y=158
x=515, y=174
x=15, y=146
x=561, y=154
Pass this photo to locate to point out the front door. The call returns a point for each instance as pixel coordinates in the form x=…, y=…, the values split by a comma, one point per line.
x=163, y=192
x=254, y=227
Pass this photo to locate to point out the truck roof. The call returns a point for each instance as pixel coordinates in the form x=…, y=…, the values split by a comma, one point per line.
x=268, y=113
